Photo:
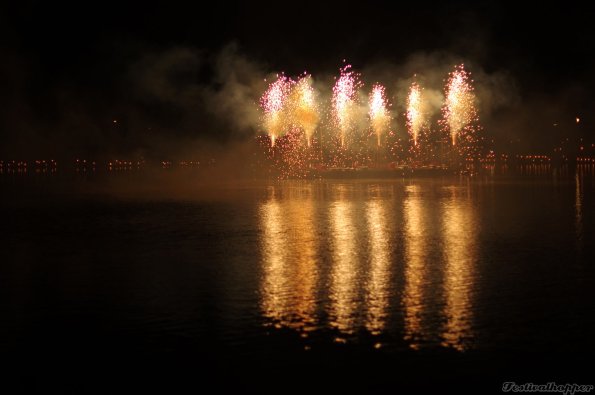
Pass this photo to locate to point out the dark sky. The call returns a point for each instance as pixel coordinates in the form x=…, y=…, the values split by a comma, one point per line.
x=70, y=66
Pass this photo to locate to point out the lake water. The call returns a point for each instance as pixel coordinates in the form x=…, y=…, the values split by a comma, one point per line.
x=302, y=285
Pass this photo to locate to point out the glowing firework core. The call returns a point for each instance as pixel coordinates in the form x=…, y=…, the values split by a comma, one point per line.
x=459, y=109
x=305, y=110
x=344, y=93
x=379, y=116
x=415, y=112
x=274, y=102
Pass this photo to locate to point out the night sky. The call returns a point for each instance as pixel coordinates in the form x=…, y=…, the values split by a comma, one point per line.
x=69, y=70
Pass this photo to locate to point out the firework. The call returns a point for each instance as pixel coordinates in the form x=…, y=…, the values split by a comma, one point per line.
x=459, y=109
x=344, y=94
x=304, y=107
x=292, y=114
x=415, y=112
x=379, y=116
x=274, y=103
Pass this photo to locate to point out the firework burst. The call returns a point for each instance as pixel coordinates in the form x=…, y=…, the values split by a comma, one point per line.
x=416, y=114
x=274, y=105
x=459, y=110
x=344, y=95
x=304, y=107
x=379, y=115
x=297, y=122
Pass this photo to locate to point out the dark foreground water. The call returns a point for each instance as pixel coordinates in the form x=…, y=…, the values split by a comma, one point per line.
x=328, y=286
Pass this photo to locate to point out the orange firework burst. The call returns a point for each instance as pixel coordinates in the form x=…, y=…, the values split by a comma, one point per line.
x=379, y=116
x=344, y=95
x=304, y=107
x=459, y=110
x=416, y=116
x=274, y=103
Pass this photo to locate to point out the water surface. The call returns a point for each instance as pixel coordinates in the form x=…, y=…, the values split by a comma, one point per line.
x=398, y=280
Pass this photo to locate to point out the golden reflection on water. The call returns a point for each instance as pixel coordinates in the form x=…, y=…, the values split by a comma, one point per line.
x=304, y=249
x=459, y=232
x=274, y=298
x=378, y=285
x=343, y=292
x=438, y=269
x=289, y=260
x=415, y=266
x=578, y=206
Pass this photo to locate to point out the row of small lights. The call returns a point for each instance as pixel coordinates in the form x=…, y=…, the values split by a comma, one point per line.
x=125, y=164
x=39, y=166
x=491, y=158
x=22, y=163
x=534, y=158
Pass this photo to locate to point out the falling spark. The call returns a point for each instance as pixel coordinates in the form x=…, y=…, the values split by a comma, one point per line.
x=304, y=106
x=578, y=119
x=415, y=111
x=379, y=116
x=459, y=110
x=344, y=93
x=273, y=102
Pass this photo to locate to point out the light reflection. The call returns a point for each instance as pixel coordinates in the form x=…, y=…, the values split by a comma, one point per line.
x=289, y=260
x=578, y=206
x=437, y=303
x=460, y=229
x=274, y=284
x=303, y=247
x=343, y=295
x=415, y=267
x=377, y=215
